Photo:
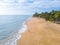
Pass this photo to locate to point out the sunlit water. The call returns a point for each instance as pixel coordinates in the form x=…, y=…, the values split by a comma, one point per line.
x=11, y=27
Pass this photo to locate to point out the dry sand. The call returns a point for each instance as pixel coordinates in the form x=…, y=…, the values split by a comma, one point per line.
x=40, y=32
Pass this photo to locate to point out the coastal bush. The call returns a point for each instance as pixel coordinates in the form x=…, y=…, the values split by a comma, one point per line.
x=53, y=16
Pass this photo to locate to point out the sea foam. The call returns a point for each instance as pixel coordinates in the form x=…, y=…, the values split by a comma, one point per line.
x=18, y=36
x=10, y=33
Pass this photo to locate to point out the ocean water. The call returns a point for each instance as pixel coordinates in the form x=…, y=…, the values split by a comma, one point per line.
x=11, y=27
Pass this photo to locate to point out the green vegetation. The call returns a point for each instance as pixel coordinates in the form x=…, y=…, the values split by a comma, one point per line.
x=53, y=16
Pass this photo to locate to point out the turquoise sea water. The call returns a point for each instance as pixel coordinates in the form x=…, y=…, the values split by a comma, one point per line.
x=11, y=26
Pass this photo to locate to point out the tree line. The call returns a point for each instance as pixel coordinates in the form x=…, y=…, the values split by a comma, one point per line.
x=53, y=16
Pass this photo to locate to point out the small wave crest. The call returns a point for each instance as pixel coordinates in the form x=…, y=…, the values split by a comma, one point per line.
x=13, y=41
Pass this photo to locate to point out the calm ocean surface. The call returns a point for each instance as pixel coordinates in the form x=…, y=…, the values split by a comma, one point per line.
x=11, y=26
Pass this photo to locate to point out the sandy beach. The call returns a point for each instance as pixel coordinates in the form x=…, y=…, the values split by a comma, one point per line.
x=40, y=32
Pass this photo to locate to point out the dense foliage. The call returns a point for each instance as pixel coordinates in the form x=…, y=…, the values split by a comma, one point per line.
x=53, y=16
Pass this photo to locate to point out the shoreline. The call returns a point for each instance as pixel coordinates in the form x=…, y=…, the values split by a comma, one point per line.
x=14, y=40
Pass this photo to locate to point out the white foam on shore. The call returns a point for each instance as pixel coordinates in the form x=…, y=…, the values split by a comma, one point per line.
x=13, y=41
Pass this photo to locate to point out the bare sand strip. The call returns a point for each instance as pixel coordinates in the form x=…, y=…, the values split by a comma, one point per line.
x=40, y=32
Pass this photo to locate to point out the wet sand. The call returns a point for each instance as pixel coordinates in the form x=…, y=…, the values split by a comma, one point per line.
x=40, y=32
